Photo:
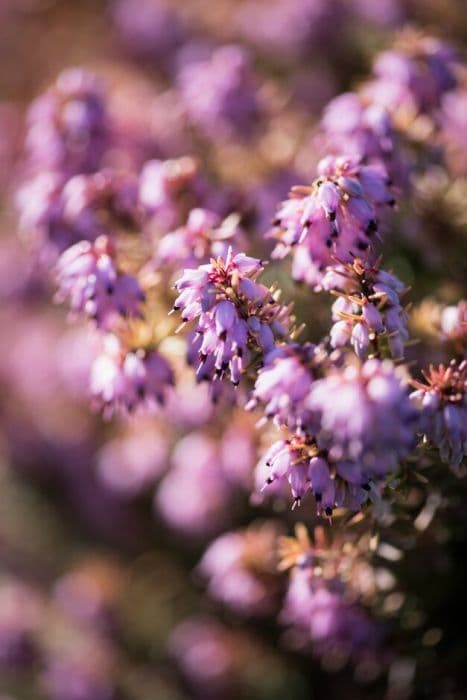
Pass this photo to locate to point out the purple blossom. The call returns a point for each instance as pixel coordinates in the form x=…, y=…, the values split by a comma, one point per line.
x=123, y=380
x=335, y=217
x=333, y=625
x=194, y=496
x=168, y=190
x=89, y=279
x=284, y=383
x=220, y=92
x=366, y=418
x=238, y=318
x=413, y=76
x=68, y=126
x=241, y=569
x=443, y=405
x=367, y=312
x=203, y=236
x=56, y=213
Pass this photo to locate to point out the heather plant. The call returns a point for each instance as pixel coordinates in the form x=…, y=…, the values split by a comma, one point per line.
x=253, y=382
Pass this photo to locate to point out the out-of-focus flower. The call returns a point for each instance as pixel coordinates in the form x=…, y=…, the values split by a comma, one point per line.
x=123, y=380
x=324, y=598
x=56, y=213
x=130, y=462
x=412, y=77
x=194, y=496
x=335, y=217
x=89, y=279
x=167, y=191
x=443, y=404
x=20, y=617
x=203, y=236
x=288, y=29
x=241, y=569
x=220, y=93
x=68, y=127
x=149, y=29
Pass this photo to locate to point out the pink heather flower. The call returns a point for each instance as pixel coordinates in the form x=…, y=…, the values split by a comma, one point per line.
x=297, y=462
x=220, y=92
x=368, y=312
x=241, y=569
x=334, y=217
x=68, y=126
x=413, y=76
x=365, y=417
x=238, y=318
x=443, y=405
x=333, y=624
x=168, y=190
x=203, y=236
x=194, y=496
x=123, y=380
x=88, y=278
x=129, y=463
x=358, y=127
x=206, y=653
x=284, y=383
x=56, y=213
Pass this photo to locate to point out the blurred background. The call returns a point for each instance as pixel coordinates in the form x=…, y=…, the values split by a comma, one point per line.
x=103, y=523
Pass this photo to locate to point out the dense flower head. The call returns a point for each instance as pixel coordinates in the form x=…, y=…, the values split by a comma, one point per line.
x=284, y=382
x=56, y=212
x=220, y=92
x=89, y=279
x=326, y=594
x=300, y=463
x=123, y=380
x=241, y=569
x=68, y=126
x=366, y=416
x=367, y=312
x=443, y=404
x=336, y=216
x=413, y=76
x=239, y=319
x=204, y=236
x=333, y=625
x=358, y=127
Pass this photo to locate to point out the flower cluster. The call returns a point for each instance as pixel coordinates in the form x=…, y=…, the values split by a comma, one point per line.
x=239, y=319
x=443, y=402
x=367, y=310
x=363, y=426
x=123, y=379
x=337, y=216
x=89, y=279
